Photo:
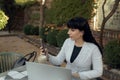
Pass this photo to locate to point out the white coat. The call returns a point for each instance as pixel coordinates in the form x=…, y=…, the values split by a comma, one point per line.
x=89, y=55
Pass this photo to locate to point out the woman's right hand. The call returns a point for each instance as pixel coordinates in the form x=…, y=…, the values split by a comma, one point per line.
x=44, y=52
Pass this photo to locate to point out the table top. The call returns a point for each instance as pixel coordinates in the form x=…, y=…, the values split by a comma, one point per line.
x=19, y=69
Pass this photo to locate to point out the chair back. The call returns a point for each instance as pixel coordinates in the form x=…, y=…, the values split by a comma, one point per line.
x=7, y=59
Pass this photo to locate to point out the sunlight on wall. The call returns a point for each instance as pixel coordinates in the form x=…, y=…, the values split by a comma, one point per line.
x=114, y=21
x=22, y=2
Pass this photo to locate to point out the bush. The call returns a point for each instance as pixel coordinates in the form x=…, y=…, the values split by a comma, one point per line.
x=112, y=54
x=35, y=16
x=59, y=14
x=35, y=30
x=51, y=37
x=61, y=36
x=27, y=29
x=42, y=33
x=3, y=19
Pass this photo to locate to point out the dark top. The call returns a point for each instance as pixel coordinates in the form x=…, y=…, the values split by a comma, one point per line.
x=75, y=53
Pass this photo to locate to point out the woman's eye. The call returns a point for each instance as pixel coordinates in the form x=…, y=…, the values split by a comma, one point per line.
x=72, y=29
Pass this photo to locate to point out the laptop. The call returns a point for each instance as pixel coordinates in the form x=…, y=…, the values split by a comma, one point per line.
x=38, y=71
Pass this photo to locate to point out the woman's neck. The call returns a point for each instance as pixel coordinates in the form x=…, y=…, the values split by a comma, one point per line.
x=79, y=42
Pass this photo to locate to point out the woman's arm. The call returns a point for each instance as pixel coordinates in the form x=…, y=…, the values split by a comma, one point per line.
x=97, y=66
x=58, y=60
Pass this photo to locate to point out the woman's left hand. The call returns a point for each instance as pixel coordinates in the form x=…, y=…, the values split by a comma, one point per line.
x=76, y=75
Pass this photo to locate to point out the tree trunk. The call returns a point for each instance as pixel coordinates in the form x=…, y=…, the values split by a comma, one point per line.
x=105, y=19
x=42, y=6
x=41, y=15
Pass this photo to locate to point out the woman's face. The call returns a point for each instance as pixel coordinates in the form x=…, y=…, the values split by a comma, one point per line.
x=75, y=34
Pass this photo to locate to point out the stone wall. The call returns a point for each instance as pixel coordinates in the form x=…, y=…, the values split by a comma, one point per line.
x=112, y=74
x=32, y=14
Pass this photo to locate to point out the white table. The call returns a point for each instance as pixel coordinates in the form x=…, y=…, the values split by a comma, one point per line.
x=19, y=69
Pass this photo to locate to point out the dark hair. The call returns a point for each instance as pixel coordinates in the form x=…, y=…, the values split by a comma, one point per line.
x=82, y=24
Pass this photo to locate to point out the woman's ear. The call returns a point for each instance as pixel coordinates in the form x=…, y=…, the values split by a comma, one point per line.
x=82, y=33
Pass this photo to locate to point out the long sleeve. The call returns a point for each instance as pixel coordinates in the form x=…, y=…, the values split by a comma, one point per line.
x=58, y=60
x=97, y=66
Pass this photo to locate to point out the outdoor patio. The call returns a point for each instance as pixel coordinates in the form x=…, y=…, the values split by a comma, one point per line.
x=19, y=44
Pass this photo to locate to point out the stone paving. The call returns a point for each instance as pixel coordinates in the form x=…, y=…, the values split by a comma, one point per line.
x=15, y=44
x=10, y=43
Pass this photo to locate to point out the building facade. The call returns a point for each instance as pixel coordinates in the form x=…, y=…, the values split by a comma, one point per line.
x=114, y=22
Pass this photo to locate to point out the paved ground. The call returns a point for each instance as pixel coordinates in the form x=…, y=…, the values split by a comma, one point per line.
x=15, y=44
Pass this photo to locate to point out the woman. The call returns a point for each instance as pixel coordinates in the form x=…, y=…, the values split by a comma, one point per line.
x=81, y=52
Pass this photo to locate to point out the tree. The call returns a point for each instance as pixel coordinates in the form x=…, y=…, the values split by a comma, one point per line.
x=106, y=18
x=12, y=7
x=63, y=10
x=3, y=19
x=9, y=9
x=42, y=7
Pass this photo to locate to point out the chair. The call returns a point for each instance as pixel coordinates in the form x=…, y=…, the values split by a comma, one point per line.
x=7, y=59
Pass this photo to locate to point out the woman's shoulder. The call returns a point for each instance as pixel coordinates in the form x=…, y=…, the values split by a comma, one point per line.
x=68, y=41
x=90, y=45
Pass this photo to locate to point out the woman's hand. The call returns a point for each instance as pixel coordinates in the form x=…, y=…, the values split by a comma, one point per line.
x=44, y=52
x=76, y=75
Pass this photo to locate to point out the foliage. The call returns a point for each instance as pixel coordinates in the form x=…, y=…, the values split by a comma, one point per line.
x=11, y=10
x=51, y=37
x=42, y=33
x=44, y=30
x=35, y=30
x=112, y=53
x=62, y=10
x=31, y=30
x=35, y=16
x=28, y=29
x=61, y=36
x=25, y=2
x=3, y=19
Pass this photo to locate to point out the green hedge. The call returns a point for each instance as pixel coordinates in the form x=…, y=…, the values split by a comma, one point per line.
x=51, y=37
x=43, y=33
x=112, y=54
x=30, y=29
x=27, y=29
x=63, y=10
x=61, y=36
x=35, y=30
